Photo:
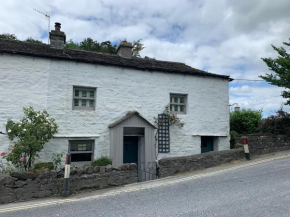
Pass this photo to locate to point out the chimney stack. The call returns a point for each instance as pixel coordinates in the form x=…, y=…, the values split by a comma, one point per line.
x=237, y=109
x=57, y=37
x=125, y=49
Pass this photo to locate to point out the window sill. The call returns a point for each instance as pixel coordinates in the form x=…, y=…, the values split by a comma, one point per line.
x=78, y=136
x=179, y=114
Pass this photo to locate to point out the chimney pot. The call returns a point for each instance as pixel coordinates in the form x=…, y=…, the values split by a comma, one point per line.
x=125, y=49
x=57, y=26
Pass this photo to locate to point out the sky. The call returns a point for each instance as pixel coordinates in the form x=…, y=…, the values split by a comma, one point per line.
x=226, y=37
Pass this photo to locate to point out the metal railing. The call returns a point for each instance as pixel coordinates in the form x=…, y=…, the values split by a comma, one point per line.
x=147, y=171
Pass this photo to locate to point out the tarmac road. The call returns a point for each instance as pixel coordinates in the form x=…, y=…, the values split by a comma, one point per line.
x=258, y=190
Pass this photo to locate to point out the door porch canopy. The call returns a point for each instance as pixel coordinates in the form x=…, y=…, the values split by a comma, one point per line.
x=130, y=124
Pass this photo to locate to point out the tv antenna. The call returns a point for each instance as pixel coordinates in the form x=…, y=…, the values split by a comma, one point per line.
x=48, y=19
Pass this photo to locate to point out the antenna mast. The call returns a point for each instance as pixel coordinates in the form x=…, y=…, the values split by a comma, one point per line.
x=48, y=18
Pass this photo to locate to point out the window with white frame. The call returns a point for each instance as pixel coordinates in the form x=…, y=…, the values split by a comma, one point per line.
x=84, y=98
x=178, y=103
x=81, y=150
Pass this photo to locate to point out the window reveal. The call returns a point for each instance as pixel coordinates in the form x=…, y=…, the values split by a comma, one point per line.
x=84, y=98
x=178, y=103
x=81, y=151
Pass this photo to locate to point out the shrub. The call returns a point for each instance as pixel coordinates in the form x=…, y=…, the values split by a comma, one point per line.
x=233, y=139
x=6, y=167
x=56, y=159
x=277, y=124
x=102, y=161
x=28, y=136
x=44, y=165
x=246, y=121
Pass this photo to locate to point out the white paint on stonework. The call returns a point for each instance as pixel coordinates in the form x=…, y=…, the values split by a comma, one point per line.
x=48, y=84
x=76, y=136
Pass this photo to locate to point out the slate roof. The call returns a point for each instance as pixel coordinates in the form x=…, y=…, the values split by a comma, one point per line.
x=128, y=115
x=44, y=50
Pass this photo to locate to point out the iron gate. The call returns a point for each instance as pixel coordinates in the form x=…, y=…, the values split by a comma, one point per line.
x=147, y=171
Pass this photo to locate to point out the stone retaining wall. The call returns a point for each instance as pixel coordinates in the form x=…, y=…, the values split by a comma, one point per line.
x=265, y=143
x=20, y=186
x=171, y=166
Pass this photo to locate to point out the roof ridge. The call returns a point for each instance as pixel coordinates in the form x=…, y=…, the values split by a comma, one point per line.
x=45, y=51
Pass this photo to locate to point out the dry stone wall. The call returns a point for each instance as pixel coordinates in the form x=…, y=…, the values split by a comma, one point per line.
x=265, y=143
x=20, y=186
x=171, y=166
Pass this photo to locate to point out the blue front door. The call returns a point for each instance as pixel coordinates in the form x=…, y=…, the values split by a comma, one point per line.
x=206, y=144
x=130, y=154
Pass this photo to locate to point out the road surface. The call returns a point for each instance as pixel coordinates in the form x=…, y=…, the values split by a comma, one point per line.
x=256, y=190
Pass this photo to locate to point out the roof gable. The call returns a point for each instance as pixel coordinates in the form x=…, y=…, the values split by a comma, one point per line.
x=132, y=118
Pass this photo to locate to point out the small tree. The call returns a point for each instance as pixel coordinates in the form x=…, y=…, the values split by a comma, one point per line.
x=31, y=40
x=277, y=124
x=72, y=45
x=281, y=68
x=245, y=121
x=28, y=136
x=137, y=48
x=8, y=36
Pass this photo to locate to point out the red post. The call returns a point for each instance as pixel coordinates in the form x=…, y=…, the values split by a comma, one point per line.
x=65, y=189
x=246, y=148
x=245, y=141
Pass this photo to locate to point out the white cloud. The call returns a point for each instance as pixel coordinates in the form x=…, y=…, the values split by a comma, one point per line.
x=258, y=98
x=241, y=89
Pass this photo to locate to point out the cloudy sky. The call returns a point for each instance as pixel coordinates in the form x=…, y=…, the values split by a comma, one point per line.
x=224, y=37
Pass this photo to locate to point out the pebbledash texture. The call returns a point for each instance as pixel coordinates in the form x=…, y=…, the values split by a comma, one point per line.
x=21, y=186
x=88, y=91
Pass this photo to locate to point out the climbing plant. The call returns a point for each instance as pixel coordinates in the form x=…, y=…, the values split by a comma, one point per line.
x=172, y=118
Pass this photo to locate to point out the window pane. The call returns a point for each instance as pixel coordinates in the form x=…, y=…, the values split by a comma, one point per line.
x=76, y=102
x=77, y=93
x=84, y=103
x=92, y=94
x=84, y=93
x=175, y=99
x=170, y=107
x=181, y=108
x=176, y=108
x=81, y=146
x=182, y=99
x=81, y=157
x=91, y=103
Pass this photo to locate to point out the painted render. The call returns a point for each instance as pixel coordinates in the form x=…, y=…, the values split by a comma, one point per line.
x=48, y=84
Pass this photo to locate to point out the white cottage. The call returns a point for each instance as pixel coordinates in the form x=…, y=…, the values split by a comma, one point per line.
x=104, y=104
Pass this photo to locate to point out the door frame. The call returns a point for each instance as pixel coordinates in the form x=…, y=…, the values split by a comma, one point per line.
x=209, y=142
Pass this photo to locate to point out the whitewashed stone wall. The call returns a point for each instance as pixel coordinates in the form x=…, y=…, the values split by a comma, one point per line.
x=48, y=84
